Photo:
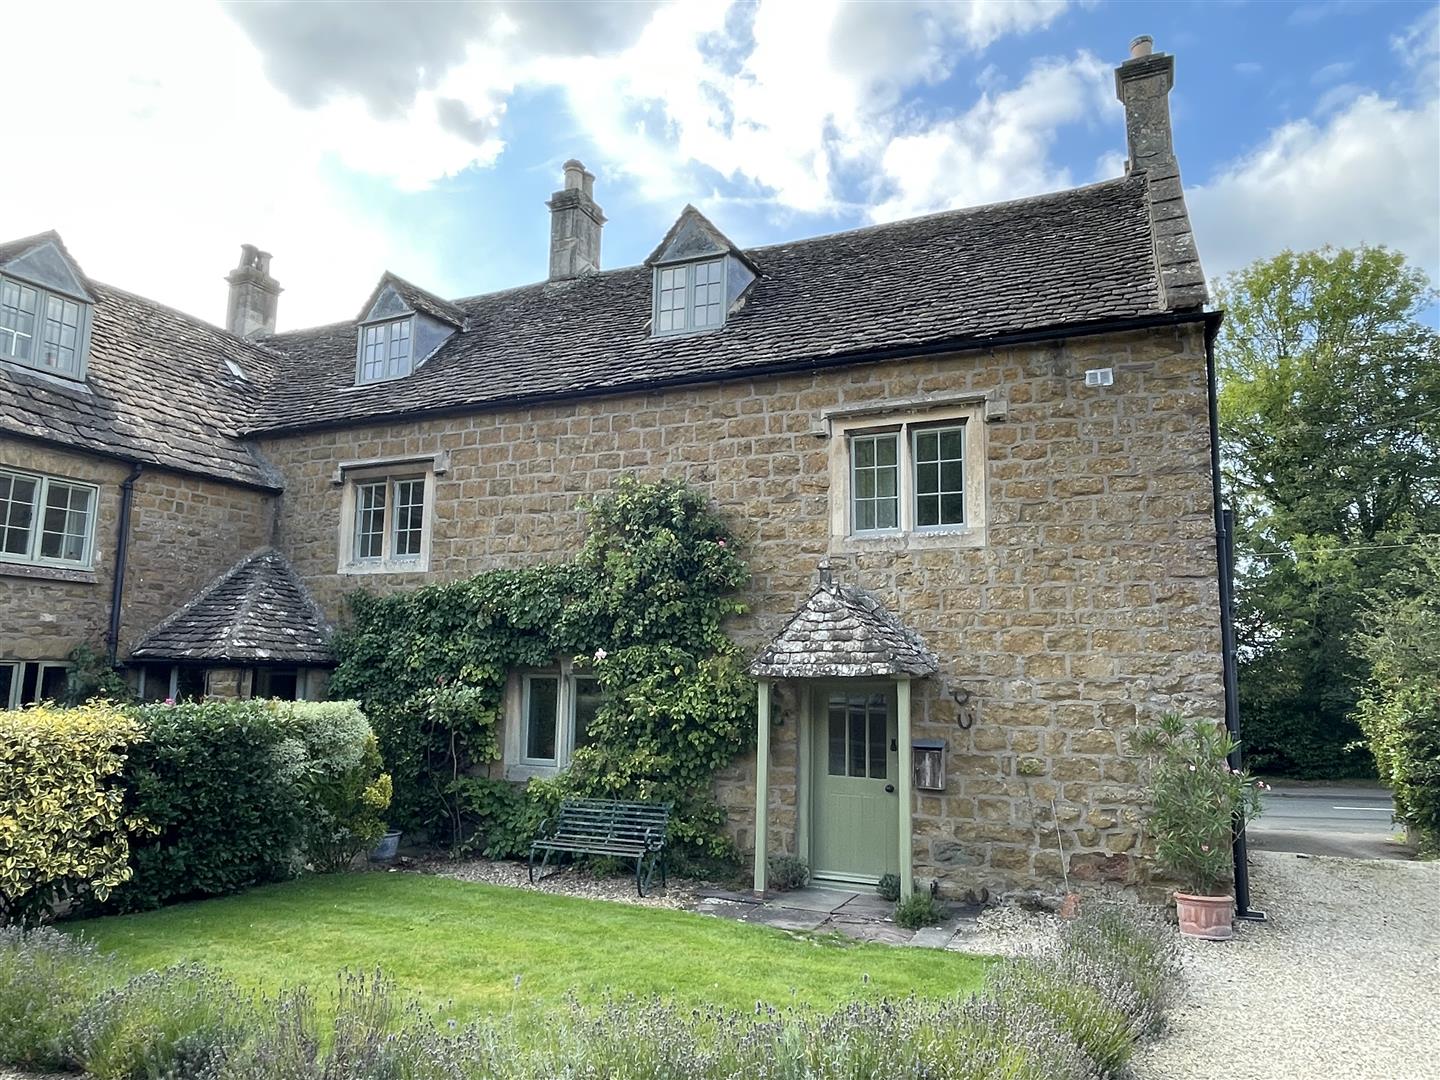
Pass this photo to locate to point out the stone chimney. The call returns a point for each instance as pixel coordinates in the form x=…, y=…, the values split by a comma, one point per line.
x=575, y=224
x=254, y=294
x=1143, y=85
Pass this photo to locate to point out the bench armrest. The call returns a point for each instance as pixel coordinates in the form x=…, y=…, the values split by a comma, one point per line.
x=654, y=839
x=543, y=831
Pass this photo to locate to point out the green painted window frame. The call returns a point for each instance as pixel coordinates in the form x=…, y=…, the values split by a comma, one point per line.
x=41, y=327
x=939, y=491
x=37, y=528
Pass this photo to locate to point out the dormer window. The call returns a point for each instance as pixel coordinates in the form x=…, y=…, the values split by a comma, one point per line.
x=690, y=297
x=700, y=277
x=385, y=350
x=40, y=328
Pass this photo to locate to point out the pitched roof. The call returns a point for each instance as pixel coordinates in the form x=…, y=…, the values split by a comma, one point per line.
x=256, y=612
x=1073, y=257
x=426, y=303
x=843, y=632
x=157, y=388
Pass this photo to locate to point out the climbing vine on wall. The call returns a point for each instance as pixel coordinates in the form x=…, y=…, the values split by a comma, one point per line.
x=642, y=605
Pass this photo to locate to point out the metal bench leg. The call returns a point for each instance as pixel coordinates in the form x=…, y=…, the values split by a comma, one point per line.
x=543, y=864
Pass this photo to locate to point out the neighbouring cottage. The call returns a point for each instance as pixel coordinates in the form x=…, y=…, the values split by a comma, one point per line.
x=971, y=456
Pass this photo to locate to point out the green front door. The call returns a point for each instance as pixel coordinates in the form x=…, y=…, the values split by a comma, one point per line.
x=853, y=822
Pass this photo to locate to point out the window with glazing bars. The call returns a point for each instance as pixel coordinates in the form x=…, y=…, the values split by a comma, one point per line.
x=45, y=520
x=385, y=350
x=690, y=297
x=389, y=519
x=858, y=735
x=939, y=476
x=875, y=482
x=24, y=309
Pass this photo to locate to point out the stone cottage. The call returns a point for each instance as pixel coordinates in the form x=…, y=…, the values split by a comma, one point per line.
x=971, y=457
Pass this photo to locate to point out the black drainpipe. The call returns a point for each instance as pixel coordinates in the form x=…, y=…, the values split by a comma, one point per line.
x=1225, y=570
x=122, y=549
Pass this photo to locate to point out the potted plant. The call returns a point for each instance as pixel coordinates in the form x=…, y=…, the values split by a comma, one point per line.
x=1194, y=797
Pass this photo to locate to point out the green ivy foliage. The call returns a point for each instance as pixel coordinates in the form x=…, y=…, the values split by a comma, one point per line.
x=643, y=604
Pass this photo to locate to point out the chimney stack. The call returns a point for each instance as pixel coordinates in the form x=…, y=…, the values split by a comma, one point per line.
x=575, y=224
x=254, y=294
x=1143, y=85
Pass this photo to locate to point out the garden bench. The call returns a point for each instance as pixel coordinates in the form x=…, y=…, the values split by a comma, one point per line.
x=621, y=830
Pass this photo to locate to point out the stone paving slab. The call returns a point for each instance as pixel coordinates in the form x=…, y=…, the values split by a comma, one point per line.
x=880, y=933
x=932, y=937
x=786, y=918
x=725, y=909
x=868, y=905
x=813, y=899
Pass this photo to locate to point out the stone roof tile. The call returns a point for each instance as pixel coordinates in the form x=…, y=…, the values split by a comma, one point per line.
x=258, y=611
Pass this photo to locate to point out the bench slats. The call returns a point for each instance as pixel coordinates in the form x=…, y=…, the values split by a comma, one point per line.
x=608, y=827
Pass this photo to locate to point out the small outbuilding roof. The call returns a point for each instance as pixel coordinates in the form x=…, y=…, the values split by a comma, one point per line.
x=256, y=612
x=843, y=632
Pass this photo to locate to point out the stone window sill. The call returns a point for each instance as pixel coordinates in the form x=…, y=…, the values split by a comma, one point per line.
x=394, y=567
x=521, y=771
x=39, y=572
x=915, y=541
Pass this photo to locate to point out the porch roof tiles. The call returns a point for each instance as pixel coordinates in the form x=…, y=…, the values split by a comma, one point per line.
x=256, y=612
x=843, y=632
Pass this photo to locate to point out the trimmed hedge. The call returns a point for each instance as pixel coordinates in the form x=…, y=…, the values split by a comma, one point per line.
x=63, y=831
x=1073, y=1010
x=239, y=793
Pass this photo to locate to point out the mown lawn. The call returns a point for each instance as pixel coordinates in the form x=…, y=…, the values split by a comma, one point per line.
x=493, y=950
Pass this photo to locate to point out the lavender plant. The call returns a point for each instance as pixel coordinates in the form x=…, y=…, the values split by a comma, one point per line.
x=46, y=979
x=161, y=1025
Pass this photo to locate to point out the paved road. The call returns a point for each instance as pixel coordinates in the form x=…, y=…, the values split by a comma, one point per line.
x=1352, y=822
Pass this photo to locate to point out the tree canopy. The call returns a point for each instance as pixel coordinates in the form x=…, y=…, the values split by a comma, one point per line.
x=1330, y=428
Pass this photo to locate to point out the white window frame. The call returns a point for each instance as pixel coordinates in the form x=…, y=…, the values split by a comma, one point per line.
x=689, y=269
x=906, y=423
x=17, y=678
x=389, y=561
x=32, y=555
x=37, y=340
x=518, y=764
x=389, y=332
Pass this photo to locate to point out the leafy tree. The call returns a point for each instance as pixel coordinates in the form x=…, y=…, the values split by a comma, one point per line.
x=1330, y=425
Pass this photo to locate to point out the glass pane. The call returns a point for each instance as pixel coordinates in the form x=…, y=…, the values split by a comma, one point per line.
x=541, y=697
x=952, y=444
x=189, y=684
x=864, y=453
x=887, y=514
x=587, y=704
x=52, y=683
x=857, y=738
x=952, y=509
x=837, y=737
x=409, y=514
x=886, y=449
x=864, y=483
x=7, y=684
x=952, y=476
x=17, y=512
x=927, y=478
x=927, y=511
x=370, y=520
x=66, y=522
x=864, y=516
x=879, y=743
x=926, y=446
x=885, y=482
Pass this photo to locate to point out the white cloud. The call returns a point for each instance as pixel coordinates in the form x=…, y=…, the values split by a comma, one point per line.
x=162, y=147
x=1369, y=173
x=1000, y=148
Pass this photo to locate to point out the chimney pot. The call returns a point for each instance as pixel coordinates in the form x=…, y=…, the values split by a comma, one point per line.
x=1143, y=45
x=254, y=294
x=575, y=224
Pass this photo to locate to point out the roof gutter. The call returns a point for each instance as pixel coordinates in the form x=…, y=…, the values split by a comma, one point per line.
x=815, y=363
x=122, y=552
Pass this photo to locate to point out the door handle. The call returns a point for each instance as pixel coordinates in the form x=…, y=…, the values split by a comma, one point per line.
x=889, y=789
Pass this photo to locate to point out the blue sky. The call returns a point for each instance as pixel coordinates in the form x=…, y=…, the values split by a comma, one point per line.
x=424, y=138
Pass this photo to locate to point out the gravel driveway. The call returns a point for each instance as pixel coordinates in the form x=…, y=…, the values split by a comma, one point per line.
x=1343, y=981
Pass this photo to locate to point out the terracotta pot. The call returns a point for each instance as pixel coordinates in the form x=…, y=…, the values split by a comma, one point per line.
x=1207, y=917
